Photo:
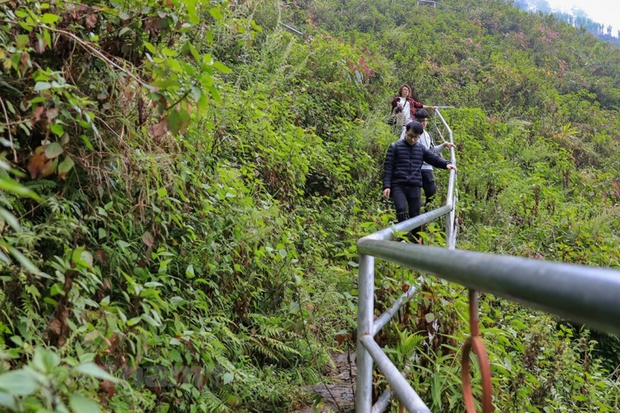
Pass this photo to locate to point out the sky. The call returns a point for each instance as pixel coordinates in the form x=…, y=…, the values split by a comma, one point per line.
x=606, y=12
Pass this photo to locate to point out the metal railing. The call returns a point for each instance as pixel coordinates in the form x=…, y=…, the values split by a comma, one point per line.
x=579, y=293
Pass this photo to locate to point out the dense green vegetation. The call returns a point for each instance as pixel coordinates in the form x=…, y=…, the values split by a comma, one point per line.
x=182, y=184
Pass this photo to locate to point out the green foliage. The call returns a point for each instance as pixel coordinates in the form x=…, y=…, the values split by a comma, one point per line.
x=203, y=174
x=34, y=385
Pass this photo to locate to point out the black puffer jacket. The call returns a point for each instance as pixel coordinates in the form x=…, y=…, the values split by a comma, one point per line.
x=403, y=164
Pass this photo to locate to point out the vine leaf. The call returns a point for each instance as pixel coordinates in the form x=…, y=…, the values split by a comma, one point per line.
x=53, y=150
x=82, y=404
x=93, y=370
x=65, y=166
x=148, y=239
x=178, y=121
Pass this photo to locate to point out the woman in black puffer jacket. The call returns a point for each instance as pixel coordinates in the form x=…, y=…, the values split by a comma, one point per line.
x=402, y=177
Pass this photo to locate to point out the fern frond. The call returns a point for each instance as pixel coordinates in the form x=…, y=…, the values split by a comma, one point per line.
x=259, y=347
x=29, y=305
x=39, y=185
x=223, y=361
x=274, y=349
x=274, y=331
x=269, y=339
x=211, y=402
x=228, y=337
x=281, y=347
x=271, y=326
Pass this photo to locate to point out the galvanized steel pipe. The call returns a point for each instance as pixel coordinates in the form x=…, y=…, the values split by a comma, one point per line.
x=579, y=293
x=403, y=390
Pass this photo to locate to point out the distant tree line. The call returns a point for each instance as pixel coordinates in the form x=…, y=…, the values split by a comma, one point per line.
x=576, y=19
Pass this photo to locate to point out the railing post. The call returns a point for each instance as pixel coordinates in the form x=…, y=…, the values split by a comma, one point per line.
x=451, y=200
x=366, y=287
x=451, y=226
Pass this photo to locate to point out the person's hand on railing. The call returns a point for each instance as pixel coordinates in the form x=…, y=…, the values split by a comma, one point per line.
x=450, y=166
x=449, y=145
x=386, y=193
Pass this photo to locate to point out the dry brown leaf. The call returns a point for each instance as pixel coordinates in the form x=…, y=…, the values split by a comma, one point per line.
x=50, y=168
x=55, y=326
x=37, y=162
x=51, y=114
x=100, y=255
x=37, y=113
x=108, y=387
x=91, y=20
x=159, y=129
x=24, y=61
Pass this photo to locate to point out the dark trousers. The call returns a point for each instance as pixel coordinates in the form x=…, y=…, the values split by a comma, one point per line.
x=428, y=184
x=407, y=201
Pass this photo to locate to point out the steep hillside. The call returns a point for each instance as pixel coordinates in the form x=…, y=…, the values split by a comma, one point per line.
x=183, y=184
x=547, y=99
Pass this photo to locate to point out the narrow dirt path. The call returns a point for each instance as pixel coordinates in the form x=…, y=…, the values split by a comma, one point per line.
x=339, y=395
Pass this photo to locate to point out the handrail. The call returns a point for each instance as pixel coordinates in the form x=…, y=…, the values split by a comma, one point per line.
x=451, y=227
x=367, y=327
x=579, y=293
